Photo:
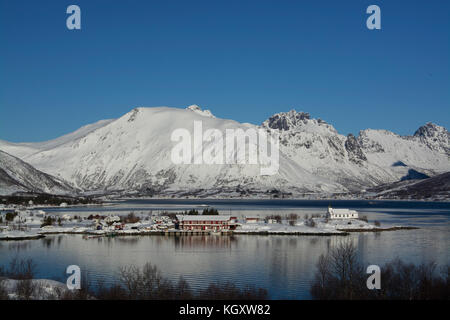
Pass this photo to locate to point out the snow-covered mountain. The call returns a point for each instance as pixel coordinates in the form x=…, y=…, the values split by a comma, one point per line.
x=374, y=157
x=18, y=176
x=134, y=153
x=435, y=137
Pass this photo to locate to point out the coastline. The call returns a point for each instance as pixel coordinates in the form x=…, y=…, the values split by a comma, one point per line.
x=338, y=232
x=444, y=201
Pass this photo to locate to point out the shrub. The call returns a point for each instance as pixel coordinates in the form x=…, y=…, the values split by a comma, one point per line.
x=48, y=221
x=3, y=292
x=10, y=216
x=149, y=283
x=171, y=215
x=134, y=283
x=130, y=218
x=340, y=275
x=210, y=211
x=292, y=218
x=192, y=212
x=26, y=289
x=229, y=291
x=310, y=223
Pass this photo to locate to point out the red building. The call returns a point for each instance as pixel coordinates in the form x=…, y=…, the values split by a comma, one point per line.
x=206, y=223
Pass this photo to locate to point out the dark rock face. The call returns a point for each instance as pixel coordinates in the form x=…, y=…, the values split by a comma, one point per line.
x=286, y=121
x=369, y=145
x=435, y=137
x=133, y=115
x=354, y=150
x=428, y=130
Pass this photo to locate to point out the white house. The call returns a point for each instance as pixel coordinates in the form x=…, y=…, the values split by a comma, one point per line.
x=112, y=219
x=341, y=213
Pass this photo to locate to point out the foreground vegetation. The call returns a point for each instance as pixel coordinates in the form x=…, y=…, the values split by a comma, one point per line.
x=146, y=283
x=340, y=275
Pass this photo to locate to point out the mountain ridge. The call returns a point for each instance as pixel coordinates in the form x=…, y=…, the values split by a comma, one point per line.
x=18, y=176
x=133, y=153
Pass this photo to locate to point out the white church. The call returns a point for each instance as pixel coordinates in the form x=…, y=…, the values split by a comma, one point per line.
x=341, y=213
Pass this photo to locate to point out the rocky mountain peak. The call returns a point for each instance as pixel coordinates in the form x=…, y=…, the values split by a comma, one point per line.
x=430, y=130
x=434, y=136
x=294, y=121
x=287, y=120
x=195, y=108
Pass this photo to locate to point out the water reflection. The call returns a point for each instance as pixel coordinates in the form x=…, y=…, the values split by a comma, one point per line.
x=17, y=245
x=284, y=265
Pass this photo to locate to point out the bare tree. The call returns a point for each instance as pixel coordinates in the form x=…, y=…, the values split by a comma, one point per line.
x=3, y=291
x=292, y=218
x=340, y=275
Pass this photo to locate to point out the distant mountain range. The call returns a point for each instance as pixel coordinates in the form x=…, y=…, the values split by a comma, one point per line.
x=131, y=155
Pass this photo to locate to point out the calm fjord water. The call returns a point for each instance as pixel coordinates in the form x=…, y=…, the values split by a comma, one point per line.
x=284, y=265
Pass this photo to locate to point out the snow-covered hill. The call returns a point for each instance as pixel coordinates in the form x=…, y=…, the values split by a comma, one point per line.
x=18, y=176
x=133, y=153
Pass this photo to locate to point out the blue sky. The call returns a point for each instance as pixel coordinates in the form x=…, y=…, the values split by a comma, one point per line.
x=244, y=60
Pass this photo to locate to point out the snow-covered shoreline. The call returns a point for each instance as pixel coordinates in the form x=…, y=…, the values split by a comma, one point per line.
x=45, y=289
x=20, y=235
x=224, y=197
x=36, y=224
